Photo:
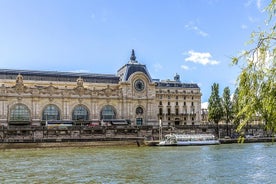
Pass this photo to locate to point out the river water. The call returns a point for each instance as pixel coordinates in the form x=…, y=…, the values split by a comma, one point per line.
x=232, y=163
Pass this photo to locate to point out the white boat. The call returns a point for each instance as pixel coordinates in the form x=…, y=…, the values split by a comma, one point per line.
x=188, y=140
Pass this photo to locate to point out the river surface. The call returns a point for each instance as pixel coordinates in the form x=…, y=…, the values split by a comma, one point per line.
x=233, y=163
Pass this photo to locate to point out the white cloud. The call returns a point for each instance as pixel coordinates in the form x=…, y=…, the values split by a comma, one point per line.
x=157, y=67
x=232, y=82
x=184, y=67
x=257, y=3
x=248, y=3
x=101, y=16
x=232, y=96
x=80, y=71
x=204, y=105
x=191, y=26
x=203, y=58
x=243, y=26
x=253, y=19
x=93, y=16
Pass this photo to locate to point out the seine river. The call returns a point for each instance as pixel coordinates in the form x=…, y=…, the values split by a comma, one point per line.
x=233, y=163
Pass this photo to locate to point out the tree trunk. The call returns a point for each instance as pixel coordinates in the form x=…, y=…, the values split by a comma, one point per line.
x=217, y=129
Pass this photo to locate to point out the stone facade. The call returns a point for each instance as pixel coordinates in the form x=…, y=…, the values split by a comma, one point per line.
x=34, y=97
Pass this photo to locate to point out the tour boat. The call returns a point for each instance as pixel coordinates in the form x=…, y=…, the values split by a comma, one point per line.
x=188, y=140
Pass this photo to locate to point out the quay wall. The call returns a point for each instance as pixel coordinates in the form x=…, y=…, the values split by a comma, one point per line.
x=43, y=134
x=60, y=144
x=24, y=137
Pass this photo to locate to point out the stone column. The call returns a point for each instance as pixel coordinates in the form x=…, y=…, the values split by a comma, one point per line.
x=3, y=109
x=4, y=112
x=94, y=110
x=66, y=110
x=35, y=112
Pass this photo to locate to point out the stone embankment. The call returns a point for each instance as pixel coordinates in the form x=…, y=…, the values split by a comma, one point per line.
x=247, y=140
x=80, y=136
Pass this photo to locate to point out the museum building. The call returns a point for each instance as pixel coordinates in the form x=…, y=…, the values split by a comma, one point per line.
x=29, y=97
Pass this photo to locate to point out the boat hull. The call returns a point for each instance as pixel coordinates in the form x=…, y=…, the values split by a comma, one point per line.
x=189, y=140
x=189, y=143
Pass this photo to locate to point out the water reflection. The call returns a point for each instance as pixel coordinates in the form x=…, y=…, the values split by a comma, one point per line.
x=246, y=163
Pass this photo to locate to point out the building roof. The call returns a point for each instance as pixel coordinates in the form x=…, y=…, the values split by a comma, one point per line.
x=123, y=74
x=131, y=67
x=175, y=84
x=58, y=76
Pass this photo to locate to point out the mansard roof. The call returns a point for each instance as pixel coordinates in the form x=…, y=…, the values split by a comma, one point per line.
x=175, y=84
x=131, y=67
x=58, y=76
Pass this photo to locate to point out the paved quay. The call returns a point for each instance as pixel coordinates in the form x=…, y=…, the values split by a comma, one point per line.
x=79, y=136
x=131, y=141
x=247, y=140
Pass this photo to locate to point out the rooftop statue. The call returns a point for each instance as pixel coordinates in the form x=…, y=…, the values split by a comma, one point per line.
x=19, y=79
x=133, y=57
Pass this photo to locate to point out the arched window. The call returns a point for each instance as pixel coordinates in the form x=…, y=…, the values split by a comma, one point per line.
x=80, y=113
x=108, y=112
x=176, y=111
x=20, y=112
x=169, y=111
x=160, y=111
x=51, y=112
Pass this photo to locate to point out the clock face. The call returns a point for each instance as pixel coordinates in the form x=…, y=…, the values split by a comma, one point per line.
x=139, y=110
x=139, y=85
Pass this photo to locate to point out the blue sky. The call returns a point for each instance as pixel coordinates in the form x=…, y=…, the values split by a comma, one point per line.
x=195, y=39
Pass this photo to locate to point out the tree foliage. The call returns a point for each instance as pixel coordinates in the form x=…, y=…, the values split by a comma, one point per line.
x=256, y=83
x=227, y=106
x=215, y=111
x=236, y=108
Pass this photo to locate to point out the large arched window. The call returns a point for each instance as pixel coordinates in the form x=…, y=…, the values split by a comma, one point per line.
x=20, y=112
x=108, y=112
x=80, y=113
x=51, y=112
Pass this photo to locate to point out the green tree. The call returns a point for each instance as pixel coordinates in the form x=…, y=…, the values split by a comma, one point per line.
x=256, y=82
x=227, y=107
x=236, y=108
x=215, y=111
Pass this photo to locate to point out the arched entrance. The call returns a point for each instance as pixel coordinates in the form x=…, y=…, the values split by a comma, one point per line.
x=177, y=121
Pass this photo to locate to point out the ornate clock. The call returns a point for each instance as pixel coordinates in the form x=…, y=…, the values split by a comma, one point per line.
x=139, y=85
x=139, y=110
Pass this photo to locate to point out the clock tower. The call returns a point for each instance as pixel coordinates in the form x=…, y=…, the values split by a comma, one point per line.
x=138, y=90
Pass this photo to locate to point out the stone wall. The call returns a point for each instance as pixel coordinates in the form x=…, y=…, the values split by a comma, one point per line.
x=98, y=133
